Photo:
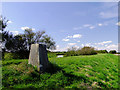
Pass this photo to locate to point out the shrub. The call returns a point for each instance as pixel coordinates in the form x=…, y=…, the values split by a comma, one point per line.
x=102, y=51
x=60, y=53
x=113, y=52
x=87, y=51
x=84, y=51
x=16, y=55
x=23, y=54
x=71, y=52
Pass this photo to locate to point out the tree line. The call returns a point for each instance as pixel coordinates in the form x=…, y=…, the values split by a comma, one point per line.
x=86, y=50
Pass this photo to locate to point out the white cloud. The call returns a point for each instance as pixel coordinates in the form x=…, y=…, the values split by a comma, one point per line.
x=60, y=49
x=91, y=27
x=107, y=42
x=9, y=22
x=102, y=43
x=78, y=41
x=109, y=14
x=104, y=23
x=69, y=36
x=77, y=47
x=88, y=44
x=71, y=44
x=74, y=36
x=57, y=46
x=33, y=29
x=23, y=28
x=65, y=40
x=82, y=45
x=108, y=47
x=77, y=36
x=15, y=32
x=110, y=10
x=112, y=47
x=100, y=24
x=118, y=23
x=86, y=25
x=77, y=28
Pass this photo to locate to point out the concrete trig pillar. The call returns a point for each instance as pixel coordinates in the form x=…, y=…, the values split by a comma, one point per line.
x=38, y=56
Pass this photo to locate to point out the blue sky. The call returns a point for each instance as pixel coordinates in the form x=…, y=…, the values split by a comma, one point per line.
x=69, y=24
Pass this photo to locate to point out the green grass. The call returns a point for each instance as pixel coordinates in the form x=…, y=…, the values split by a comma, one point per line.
x=93, y=71
x=51, y=55
x=0, y=74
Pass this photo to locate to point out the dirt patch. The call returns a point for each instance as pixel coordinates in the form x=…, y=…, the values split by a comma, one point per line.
x=87, y=75
x=88, y=66
x=94, y=83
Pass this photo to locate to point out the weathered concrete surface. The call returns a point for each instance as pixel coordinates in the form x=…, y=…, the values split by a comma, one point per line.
x=38, y=56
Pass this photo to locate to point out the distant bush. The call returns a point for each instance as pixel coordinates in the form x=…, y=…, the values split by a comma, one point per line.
x=71, y=52
x=87, y=51
x=60, y=53
x=102, y=51
x=83, y=51
x=113, y=52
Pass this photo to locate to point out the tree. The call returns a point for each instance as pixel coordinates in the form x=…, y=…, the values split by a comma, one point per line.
x=50, y=44
x=20, y=43
x=29, y=37
x=8, y=41
x=38, y=37
x=113, y=52
x=71, y=51
x=11, y=43
x=102, y=51
x=3, y=23
x=87, y=51
x=16, y=44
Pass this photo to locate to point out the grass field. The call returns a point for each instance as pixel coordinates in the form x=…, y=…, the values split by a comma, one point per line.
x=94, y=71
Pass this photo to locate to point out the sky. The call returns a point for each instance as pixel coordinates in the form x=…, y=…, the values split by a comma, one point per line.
x=70, y=24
